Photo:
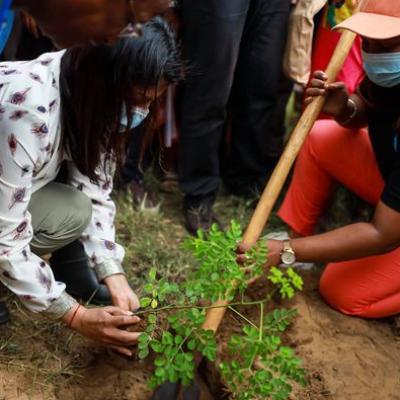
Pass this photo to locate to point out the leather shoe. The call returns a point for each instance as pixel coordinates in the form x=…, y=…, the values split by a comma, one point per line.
x=200, y=218
x=71, y=266
x=143, y=197
x=4, y=313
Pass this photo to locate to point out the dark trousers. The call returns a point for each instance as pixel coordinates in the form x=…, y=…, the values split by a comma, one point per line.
x=234, y=48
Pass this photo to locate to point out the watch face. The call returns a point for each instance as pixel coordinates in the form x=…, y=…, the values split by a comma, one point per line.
x=288, y=258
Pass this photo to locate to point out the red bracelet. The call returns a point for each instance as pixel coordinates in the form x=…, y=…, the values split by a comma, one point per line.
x=73, y=317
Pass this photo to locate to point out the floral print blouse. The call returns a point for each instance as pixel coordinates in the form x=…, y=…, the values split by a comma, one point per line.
x=30, y=158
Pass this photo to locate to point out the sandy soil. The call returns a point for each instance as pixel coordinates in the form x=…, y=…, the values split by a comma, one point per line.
x=347, y=359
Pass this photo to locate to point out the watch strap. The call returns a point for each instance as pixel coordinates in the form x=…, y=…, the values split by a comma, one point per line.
x=287, y=247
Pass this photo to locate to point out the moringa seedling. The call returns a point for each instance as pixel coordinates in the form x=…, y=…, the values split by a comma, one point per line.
x=260, y=366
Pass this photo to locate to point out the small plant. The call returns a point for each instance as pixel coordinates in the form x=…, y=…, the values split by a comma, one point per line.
x=260, y=367
x=220, y=276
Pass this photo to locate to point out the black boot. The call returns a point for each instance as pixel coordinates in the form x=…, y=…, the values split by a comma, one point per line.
x=4, y=313
x=201, y=218
x=71, y=266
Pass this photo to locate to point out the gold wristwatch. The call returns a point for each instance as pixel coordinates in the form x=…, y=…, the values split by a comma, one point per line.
x=288, y=256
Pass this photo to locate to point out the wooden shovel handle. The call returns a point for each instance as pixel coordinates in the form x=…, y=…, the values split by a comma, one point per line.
x=278, y=178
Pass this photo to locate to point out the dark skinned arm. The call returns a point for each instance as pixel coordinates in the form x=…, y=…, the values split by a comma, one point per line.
x=354, y=241
x=380, y=236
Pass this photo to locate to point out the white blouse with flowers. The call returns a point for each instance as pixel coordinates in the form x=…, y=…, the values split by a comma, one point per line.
x=30, y=158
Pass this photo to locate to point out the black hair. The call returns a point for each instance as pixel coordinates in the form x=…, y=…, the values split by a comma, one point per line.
x=96, y=85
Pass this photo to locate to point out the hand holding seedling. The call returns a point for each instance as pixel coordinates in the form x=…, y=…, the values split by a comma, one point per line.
x=103, y=325
x=121, y=293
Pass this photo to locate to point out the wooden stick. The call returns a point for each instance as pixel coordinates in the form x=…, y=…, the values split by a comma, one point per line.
x=278, y=178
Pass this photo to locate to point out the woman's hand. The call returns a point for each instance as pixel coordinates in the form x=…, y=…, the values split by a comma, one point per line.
x=275, y=248
x=121, y=293
x=103, y=325
x=274, y=253
x=336, y=94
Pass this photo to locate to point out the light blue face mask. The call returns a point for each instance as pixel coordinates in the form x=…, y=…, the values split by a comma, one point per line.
x=383, y=69
x=138, y=116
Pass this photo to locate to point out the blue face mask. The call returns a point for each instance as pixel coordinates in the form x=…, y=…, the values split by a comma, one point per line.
x=138, y=116
x=383, y=69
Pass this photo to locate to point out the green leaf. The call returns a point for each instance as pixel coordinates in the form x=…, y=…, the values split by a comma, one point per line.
x=214, y=276
x=153, y=274
x=143, y=345
x=172, y=375
x=209, y=353
x=160, y=372
x=156, y=347
x=143, y=338
x=150, y=328
x=154, y=304
x=148, y=288
x=143, y=353
x=159, y=362
x=145, y=302
x=178, y=340
x=167, y=338
x=189, y=357
x=169, y=350
x=191, y=344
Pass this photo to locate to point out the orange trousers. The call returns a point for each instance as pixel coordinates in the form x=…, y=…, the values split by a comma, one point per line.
x=368, y=287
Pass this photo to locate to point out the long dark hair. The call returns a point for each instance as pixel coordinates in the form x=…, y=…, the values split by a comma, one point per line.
x=96, y=85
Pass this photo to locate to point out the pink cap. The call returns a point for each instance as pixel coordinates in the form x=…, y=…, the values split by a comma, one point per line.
x=376, y=19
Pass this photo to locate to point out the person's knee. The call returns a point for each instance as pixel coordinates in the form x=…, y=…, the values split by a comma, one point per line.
x=75, y=212
x=80, y=211
x=324, y=138
x=61, y=213
x=338, y=293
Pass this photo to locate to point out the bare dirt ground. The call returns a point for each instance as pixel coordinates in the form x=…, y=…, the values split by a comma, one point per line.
x=347, y=358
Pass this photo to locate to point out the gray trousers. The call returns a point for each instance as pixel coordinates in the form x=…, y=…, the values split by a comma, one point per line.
x=60, y=213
